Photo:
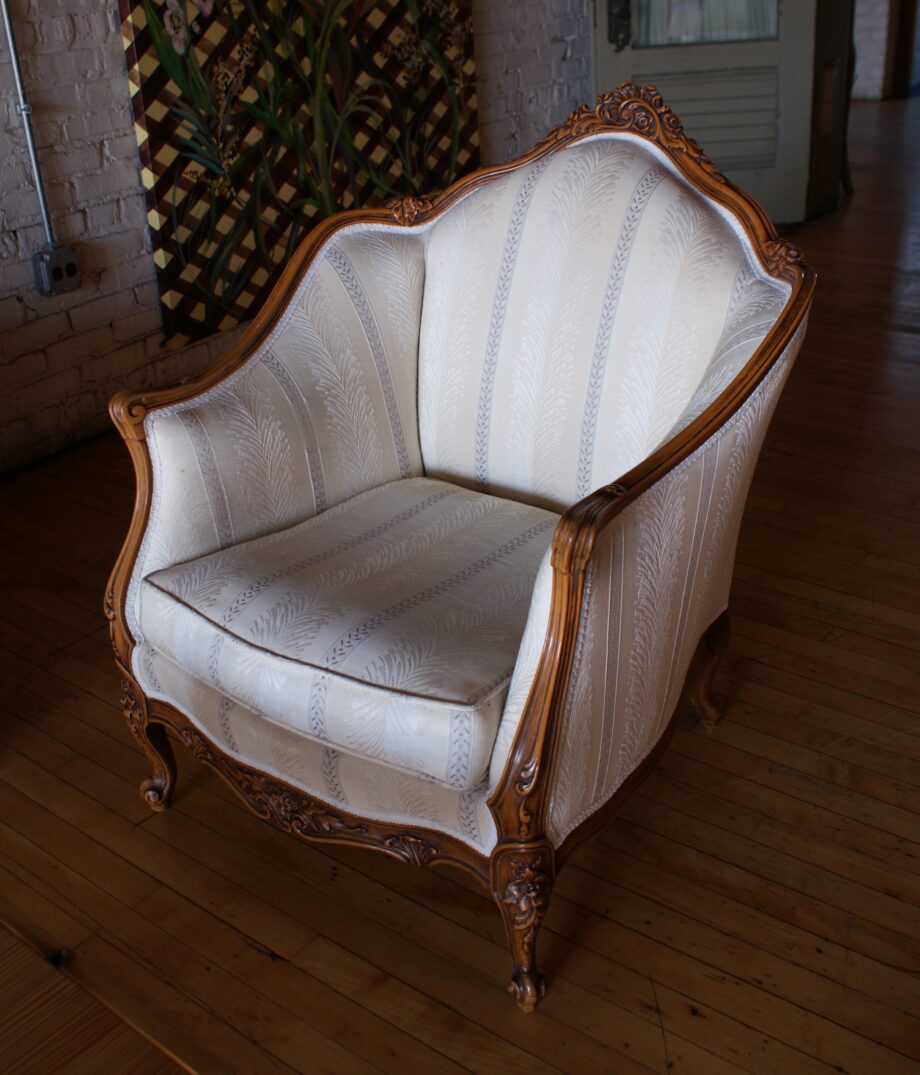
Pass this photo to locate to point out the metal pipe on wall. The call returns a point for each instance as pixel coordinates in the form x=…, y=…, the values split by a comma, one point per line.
x=25, y=110
x=55, y=268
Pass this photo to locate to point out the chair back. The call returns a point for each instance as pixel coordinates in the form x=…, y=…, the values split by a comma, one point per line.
x=579, y=310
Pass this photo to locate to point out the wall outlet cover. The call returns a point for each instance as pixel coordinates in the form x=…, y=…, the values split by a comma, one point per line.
x=56, y=269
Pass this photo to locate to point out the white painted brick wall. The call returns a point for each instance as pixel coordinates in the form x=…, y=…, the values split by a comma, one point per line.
x=533, y=66
x=62, y=358
x=874, y=25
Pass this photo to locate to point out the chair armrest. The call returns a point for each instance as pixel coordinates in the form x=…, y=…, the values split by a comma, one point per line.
x=615, y=620
x=315, y=404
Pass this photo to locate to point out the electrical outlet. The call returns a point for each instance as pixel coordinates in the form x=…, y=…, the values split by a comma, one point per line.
x=56, y=269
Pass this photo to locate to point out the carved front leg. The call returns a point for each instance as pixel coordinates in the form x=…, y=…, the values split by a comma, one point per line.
x=698, y=692
x=154, y=742
x=522, y=879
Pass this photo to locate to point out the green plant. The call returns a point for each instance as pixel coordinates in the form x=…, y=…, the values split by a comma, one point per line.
x=300, y=110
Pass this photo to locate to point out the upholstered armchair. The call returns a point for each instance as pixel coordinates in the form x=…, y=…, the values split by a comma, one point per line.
x=428, y=562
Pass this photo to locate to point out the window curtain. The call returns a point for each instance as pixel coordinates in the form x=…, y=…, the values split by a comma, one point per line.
x=675, y=22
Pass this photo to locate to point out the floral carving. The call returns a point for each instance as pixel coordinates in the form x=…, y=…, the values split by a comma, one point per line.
x=292, y=810
x=779, y=255
x=133, y=710
x=526, y=895
x=639, y=109
x=412, y=849
x=406, y=210
x=521, y=883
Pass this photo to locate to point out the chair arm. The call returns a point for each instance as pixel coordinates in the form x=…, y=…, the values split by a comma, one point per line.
x=615, y=619
x=316, y=404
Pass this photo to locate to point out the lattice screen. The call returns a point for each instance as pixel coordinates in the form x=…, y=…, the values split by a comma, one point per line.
x=254, y=120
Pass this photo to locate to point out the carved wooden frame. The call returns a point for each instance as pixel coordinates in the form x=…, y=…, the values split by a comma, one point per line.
x=519, y=872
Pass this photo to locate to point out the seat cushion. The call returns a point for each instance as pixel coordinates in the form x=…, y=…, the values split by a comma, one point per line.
x=368, y=788
x=387, y=627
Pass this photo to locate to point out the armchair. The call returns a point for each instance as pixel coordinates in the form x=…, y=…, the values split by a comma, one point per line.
x=430, y=559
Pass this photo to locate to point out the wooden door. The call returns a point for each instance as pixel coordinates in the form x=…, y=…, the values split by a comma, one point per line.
x=739, y=74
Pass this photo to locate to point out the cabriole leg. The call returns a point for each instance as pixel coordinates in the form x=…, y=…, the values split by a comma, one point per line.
x=152, y=739
x=699, y=694
x=522, y=880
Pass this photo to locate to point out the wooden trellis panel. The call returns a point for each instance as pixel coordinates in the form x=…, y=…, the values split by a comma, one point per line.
x=233, y=168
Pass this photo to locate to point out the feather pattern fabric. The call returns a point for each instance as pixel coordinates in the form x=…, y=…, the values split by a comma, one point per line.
x=204, y=582
x=671, y=554
x=743, y=436
x=399, y=270
x=660, y=536
x=263, y=453
x=368, y=788
x=213, y=479
x=593, y=294
x=500, y=298
x=311, y=448
x=347, y=405
x=658, y=380
x=553, y=334
x=255, y=586
x=352, y=284
x=573, y=769
x=442, y=638
x=291, y=624
x=407, y=611
x=753, y=308
x=580, y=218
x=450, y=330
x=644, y=189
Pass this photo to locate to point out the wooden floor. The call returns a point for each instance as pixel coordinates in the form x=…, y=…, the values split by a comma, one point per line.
x=754, y=908
x=49, y=1026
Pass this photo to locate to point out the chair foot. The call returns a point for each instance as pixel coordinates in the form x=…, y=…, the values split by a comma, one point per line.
x=527, y=989
x=157, y=789
x=698, y=693
x=522, y=880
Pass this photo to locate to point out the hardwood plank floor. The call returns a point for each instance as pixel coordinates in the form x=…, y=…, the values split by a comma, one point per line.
x=49, y=1025
x=755, y=907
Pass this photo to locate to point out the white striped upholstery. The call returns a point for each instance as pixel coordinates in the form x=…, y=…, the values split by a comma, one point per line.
x=324, y=410
x=576, y=312
x=536, y=340
x=660, y=575
x=386, y=627
x=344, y=780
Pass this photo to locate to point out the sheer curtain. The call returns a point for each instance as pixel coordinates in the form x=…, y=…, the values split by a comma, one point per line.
x=676, y=22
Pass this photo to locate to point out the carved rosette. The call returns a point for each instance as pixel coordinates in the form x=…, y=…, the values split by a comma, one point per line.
x=406, y=210
x=639, y=109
